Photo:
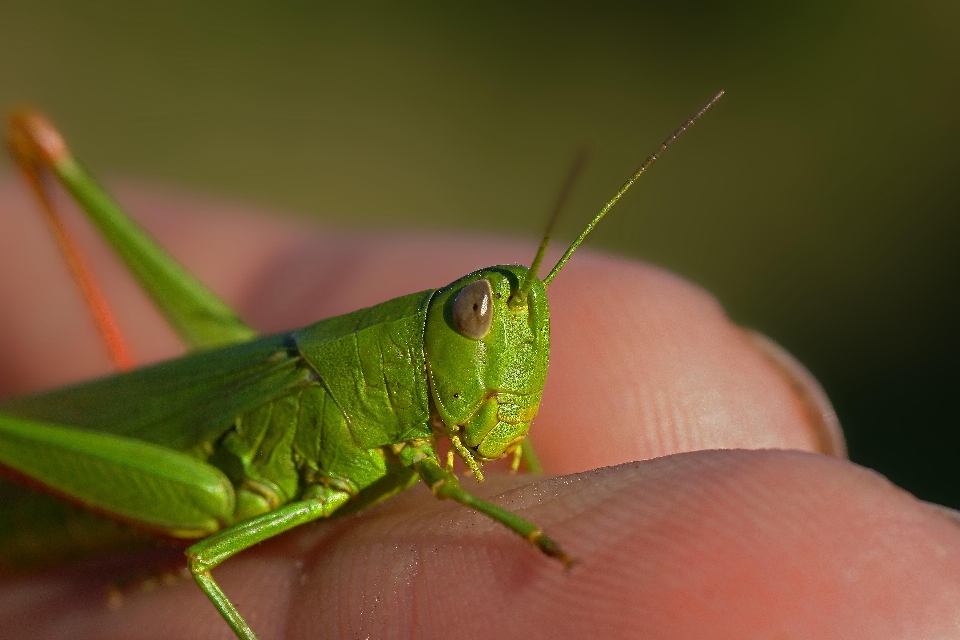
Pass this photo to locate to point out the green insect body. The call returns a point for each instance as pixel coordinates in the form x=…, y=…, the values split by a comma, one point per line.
x=232, y=445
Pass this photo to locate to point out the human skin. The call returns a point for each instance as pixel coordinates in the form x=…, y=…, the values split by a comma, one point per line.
x=687, y=465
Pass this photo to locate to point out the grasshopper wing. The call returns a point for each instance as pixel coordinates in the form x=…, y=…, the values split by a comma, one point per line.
x=178, y=404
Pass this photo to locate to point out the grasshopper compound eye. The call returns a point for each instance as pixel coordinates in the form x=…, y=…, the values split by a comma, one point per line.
x=473, y=309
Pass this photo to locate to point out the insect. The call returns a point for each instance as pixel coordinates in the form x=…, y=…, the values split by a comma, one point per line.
x=250, y=436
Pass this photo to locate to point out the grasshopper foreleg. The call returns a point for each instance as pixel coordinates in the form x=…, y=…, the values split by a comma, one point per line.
x=445, y=485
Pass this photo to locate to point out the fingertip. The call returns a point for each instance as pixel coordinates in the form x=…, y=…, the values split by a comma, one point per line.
x=813, y=399
x=645, y=364
x=740, y=543
x=704, y=544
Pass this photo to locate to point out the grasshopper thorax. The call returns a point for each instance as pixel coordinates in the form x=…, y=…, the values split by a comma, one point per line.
x=487, y=360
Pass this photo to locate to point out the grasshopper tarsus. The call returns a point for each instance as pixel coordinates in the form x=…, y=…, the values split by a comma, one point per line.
x=553, y=550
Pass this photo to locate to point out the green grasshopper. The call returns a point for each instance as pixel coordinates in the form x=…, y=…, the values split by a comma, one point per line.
x=250, y=436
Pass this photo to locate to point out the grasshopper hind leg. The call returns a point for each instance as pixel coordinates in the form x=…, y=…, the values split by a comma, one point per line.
x=36, y=146
x=195, y=313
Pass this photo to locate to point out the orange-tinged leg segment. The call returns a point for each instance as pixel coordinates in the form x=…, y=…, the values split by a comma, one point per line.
x=35, y=145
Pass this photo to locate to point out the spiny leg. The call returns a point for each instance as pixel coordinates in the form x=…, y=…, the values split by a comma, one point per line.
x=198, y=316
x=27, y=149
x=209, y=552
x=445, y=485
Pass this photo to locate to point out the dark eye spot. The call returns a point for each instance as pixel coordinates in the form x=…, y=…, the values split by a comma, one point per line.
x=473, y=311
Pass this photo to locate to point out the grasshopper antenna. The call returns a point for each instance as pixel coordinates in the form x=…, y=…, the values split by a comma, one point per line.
x=616, y=198
x=572, y=175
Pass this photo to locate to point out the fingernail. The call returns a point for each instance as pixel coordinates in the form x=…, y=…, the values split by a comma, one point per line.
x=816, y=404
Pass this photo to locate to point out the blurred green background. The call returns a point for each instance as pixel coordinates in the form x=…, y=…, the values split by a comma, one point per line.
x=819, y=201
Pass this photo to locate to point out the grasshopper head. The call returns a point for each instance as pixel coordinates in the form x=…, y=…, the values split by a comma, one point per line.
x=487, y=343
x=487, y=340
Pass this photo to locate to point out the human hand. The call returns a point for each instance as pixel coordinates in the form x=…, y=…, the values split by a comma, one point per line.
x=702, y=544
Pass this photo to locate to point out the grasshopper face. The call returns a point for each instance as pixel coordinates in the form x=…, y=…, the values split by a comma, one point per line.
x=487, y=359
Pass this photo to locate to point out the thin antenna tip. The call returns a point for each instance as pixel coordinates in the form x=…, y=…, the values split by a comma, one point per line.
x=646, y=165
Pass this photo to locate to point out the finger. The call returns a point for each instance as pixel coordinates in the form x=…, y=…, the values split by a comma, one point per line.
x=717, y=544
x=643, y=363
